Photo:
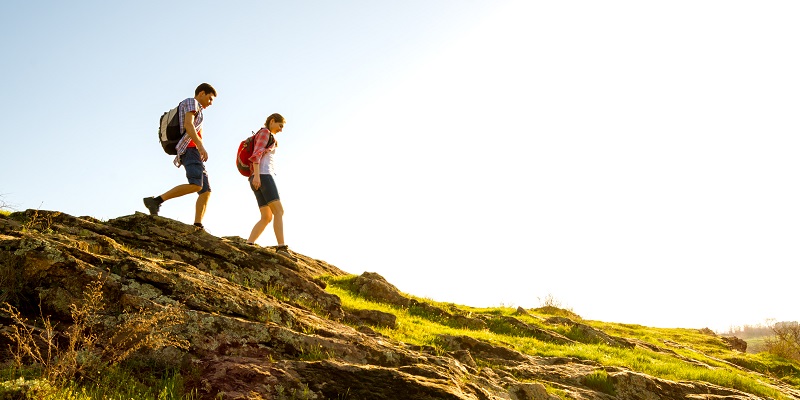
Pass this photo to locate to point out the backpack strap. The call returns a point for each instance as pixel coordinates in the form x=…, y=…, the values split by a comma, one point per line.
x=270, y=141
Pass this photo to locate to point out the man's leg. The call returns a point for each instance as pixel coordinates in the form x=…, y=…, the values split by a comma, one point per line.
x=202, y=195
x=200, y=207
x=181, y=190
x=195, y=174
x=153, y=204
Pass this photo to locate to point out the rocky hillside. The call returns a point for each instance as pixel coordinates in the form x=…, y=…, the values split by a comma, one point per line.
x=256, y=324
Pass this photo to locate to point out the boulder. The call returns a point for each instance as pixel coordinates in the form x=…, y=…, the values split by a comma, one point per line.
x=371, y=317
x=374, y=287
x=735, y=343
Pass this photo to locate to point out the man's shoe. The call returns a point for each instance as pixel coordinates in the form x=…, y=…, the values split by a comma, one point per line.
x=152, y=205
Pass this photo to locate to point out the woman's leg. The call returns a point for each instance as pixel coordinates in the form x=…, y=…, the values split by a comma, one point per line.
x=277, y=211
x=258, y=228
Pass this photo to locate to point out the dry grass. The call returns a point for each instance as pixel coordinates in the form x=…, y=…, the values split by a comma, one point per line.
x=83, y=349
x=35, y=221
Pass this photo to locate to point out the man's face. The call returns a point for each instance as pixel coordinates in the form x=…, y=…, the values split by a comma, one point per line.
x=206, y=99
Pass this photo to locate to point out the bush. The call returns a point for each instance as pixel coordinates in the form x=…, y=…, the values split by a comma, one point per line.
x=80, y=350
x=5, y=208
x=786, y=341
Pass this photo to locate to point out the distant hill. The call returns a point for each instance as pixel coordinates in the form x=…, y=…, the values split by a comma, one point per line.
x=245, y=322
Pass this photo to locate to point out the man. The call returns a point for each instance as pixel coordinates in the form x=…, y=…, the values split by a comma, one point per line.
x=191, y=154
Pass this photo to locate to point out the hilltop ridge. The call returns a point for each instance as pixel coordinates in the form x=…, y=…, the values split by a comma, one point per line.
x=257, y=324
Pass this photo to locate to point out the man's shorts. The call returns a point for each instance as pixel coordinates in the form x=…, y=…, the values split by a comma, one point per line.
x=268, y=192
x=195, y=170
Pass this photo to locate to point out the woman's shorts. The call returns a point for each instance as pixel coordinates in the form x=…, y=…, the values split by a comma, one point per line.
x=268, y=192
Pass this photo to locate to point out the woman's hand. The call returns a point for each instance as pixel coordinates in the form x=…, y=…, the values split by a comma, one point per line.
x=256, y=181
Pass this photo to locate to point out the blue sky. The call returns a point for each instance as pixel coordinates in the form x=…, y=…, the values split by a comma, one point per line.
x=636, y=161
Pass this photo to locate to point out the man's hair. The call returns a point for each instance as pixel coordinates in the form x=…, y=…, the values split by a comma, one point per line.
x=204, y=87
x=277, y=117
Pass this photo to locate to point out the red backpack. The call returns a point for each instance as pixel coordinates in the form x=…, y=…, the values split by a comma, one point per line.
x=245, y=151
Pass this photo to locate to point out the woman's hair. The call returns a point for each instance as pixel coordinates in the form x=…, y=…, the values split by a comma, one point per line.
x=277, y=117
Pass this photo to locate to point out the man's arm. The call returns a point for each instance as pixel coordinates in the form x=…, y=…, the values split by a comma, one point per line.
x=188, y=125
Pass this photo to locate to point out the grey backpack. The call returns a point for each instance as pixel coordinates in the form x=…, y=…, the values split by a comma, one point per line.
x=169, y=131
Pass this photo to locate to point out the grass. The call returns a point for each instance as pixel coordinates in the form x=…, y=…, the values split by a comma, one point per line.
x=599, y=381
x=315, y=353
x=418, y=329
x=755, y=345
x=113, y=383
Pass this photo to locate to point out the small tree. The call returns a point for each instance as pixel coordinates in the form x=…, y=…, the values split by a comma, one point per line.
x=786, y=340
x=3, y=205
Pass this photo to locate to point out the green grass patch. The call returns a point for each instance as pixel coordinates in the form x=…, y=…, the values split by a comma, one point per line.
x=113, y=383
x=557, y=312
x=423, y=329
x=599, y=381
x=768, y=364
x=756, y=345
x=315, y=353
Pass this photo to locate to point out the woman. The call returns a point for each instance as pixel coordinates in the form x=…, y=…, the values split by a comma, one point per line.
x=263, y=183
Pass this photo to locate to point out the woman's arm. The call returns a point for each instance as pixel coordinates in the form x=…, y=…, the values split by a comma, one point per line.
x=256, y=176
x=260, y=145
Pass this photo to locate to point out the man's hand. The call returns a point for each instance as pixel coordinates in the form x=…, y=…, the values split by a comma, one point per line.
x=203, y=152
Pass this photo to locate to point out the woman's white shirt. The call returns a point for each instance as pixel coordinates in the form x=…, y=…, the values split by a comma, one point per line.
x=267, y=164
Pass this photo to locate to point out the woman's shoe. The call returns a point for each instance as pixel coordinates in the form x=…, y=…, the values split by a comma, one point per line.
x=284, y=251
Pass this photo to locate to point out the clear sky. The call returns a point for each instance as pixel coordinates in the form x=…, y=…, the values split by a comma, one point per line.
x=637, y=161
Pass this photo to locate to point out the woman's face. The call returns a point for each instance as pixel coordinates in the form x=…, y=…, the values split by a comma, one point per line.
x=275, y=126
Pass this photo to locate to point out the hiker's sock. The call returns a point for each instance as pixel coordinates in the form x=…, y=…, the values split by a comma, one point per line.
x=159, y=199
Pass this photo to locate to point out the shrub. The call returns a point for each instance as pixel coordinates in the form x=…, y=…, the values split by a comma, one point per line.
x=80, y=350
x=786, y=341
x=5, y=208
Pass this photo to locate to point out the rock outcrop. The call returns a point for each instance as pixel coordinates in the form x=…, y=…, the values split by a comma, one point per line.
x=262, y=326
x=736, y=343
